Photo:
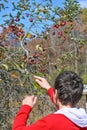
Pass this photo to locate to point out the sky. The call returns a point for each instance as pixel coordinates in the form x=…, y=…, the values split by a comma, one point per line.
x=83, y=3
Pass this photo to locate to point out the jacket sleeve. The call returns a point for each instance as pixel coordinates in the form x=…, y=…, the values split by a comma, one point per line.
x=50, y=93
x=20, y=121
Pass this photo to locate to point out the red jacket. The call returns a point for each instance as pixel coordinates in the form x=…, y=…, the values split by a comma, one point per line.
x=50, y=122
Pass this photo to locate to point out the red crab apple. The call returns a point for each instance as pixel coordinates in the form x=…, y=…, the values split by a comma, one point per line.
x=64, y=38
x=42, y=70
x=17, y=19
x=53, y=33
x=4, y=56
x=12, y=20
x=22, y=35
x=33, y=61
x=24, y=57
x=63, y=23
x=25, y=61
x=59, y=34
x=56, y=26
x=35, y=55
x=31, y=20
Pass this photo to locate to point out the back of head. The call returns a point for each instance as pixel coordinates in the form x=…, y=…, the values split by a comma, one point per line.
x=70, y=87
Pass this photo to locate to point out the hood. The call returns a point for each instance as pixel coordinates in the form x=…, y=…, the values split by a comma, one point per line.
x=76, y=115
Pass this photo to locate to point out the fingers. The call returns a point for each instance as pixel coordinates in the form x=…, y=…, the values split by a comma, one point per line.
x=30, y=100
x=34, y=100
x=38, y=81
x=42, y=82
x=37, y=77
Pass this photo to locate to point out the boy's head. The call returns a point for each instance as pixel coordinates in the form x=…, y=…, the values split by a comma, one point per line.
x=70, y=88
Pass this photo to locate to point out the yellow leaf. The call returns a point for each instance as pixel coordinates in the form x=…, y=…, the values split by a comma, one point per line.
x=14, y=75
x=28, y=35
x=39, y=48
x=40, y=17
x=0, y=80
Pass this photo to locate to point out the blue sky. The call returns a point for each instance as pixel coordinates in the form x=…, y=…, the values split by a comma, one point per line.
x=83, y=3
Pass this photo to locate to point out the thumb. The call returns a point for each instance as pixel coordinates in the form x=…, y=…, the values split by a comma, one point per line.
x=34, y=100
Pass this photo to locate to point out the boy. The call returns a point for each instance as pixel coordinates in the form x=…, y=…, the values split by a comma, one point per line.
x=67, y=92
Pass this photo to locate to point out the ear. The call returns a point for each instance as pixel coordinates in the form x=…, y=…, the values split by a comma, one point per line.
x=56, y=93
x=55, y=97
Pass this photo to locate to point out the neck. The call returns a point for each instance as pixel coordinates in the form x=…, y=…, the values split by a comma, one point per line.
x=62, y=106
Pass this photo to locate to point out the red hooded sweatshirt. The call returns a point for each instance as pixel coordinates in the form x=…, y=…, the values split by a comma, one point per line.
x=66, y=118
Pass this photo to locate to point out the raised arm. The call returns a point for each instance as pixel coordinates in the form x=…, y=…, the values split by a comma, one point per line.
x=50, y=90
x=44, y=84
x=20, y=121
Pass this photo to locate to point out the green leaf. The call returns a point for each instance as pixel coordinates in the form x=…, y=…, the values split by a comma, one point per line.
x=37, y=86
x=5, y=15
x=2, y=5
x=17, y=65
x=34, y=3
x=40, y=74
x=50, y=1
x=22, y=65
x=18, y=14
x=23, y=17
x=58, y=22
x=6, y=1
x=10, y=15
x=6, y=21
x=5, y=66
x=14, y=6
x=42, y=91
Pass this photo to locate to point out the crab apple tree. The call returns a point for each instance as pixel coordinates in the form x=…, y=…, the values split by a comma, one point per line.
x=35, y=39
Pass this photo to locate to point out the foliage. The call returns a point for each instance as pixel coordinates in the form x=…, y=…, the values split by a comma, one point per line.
x=70, y=11
x=84, y=77
x=84, y=18
x=36, y=38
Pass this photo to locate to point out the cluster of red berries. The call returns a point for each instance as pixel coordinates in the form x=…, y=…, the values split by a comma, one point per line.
x=61, y=23
x=57, y=26
x=17, y=19
x=31, y=60
x=18, y=31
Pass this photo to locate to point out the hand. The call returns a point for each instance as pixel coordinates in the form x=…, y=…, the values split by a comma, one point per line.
x=42, y=82
x=30, y=100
